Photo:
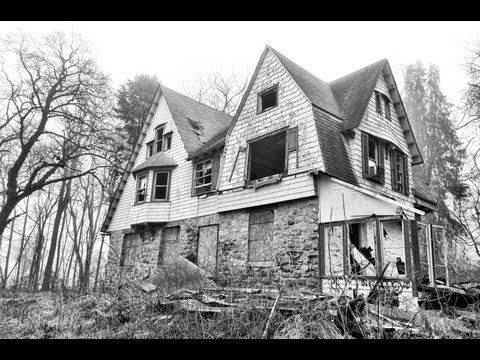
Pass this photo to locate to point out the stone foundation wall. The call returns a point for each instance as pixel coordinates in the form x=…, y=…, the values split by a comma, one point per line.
x=295, y=248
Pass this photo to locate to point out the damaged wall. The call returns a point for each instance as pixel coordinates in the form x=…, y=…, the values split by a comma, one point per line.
x=294, y=260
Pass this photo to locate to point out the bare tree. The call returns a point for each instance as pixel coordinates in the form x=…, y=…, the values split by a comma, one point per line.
x=47, y=88
x=218, y=91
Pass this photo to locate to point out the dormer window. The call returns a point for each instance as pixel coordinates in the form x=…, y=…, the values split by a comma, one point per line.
x=382, y=105
x=159, y=139
x=373, y=158
x=378, y=102
x=267, y=99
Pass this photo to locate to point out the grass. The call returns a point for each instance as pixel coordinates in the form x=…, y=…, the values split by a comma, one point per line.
x=68, y=314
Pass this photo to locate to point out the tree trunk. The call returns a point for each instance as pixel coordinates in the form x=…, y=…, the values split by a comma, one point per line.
x=61, y=207
x=5, y=276
x=98, y=264
x=22, y=242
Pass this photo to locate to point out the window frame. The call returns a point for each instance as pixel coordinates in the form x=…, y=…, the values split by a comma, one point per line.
x=378, y=102
x=154, y=185
x=157, y=140
x=263, y=137
x=138, y=177
x=388, y=110
x=379, y=177
x=396, y=154
x=203, y=162
x=260, y=99
x=167, y=140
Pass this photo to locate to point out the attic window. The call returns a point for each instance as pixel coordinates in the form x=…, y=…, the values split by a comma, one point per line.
x=399, y=168
x=159, y=139
x=386, y=101
x=268, y=99
x=167, y=139
x=378, y=102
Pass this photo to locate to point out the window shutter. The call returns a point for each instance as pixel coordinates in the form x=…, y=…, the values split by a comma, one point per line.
x=215, y=172
x=381, y=162
x=378, y=102
x=393, y=167
x=247, y=165
x=405, y=171
x=365, y=154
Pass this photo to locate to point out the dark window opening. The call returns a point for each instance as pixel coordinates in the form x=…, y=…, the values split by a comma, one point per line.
x=378, y=102
x=268, y=99
x=161, y=185
x=159, y=139
x=149, y=148
x=399, y=167
x=372, y=156
x=267, y=156
x=141, y=188
x=362, y=259
x=168, y=141
x=388, y=114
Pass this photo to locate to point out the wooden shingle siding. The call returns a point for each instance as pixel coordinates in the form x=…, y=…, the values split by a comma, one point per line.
x=290, y=188
x=293, y=109
x=377, y=125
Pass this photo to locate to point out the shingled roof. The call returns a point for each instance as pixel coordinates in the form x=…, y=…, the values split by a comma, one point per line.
x=354, y=91
x=317, y=90
x=334, y=153
x=155, y=161
x=421, y=187
x=196, y=122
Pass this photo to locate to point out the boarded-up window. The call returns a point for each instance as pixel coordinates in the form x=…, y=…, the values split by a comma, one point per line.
x=260, y=244
x=207, y=248
x=393, y=249
x=129, y=245
x=168, y=245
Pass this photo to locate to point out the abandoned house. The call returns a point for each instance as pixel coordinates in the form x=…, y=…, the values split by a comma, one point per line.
x=310, y=184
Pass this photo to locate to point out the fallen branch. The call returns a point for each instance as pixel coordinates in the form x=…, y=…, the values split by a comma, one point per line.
x=265, y=333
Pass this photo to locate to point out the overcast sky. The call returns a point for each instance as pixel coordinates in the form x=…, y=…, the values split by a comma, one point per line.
x=178, y=51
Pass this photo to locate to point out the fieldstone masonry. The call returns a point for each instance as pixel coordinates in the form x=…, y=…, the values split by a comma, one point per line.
x=295, y=244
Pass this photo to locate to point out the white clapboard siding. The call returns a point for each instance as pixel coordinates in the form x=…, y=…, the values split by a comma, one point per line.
x=293, y=109
x=288, y=188
x=378, y=125
x=357, y=203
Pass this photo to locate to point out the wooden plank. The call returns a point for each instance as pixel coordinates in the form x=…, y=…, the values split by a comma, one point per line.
x=321, y=256
x=346, y=260
x=378, y=246
x=415, y=255
x=408, y=251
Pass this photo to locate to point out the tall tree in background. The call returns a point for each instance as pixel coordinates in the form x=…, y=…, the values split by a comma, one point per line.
x=133, y=102
x=430, y=115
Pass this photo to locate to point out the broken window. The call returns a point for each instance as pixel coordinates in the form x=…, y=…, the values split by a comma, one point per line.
x=159, y=139
x=141, y=188
x=362, y=249
x=168, y=245
x=260, y=236
x=378, y=102
x=399, y=169
x=149, y=149
x=161, y=185
x=334, y=250
x=267, y=156
x=393, y=248
x=268, y=99
x=203, y=177
x=373, y=158
x=388, y=113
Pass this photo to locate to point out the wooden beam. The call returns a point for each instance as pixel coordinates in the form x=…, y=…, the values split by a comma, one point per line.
x=415, y=255
x=321, y=256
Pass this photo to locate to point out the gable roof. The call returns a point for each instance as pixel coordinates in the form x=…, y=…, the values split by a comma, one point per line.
x=196, y=122
x=317, y=90
x=353, y=92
